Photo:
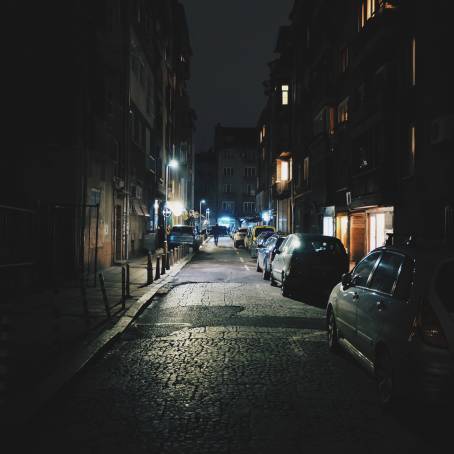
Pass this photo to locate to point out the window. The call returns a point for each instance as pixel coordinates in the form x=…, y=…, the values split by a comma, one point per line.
x=95, y=196
x=413, y=62
x=367, y=10
x=362, y=271
x=282, y=170
x=328, y=226
x=249, y=171
x=344, y=60
x=227, y=188
x=250, y=190
x=249, y=207
x=342, y=111
x=306, y=170
x=285, y=98
x=228, y=206
x=228, y=171
x=228, y=154
x=385, y=276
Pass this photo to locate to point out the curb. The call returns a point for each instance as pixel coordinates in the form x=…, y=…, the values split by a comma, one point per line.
x=66, y=371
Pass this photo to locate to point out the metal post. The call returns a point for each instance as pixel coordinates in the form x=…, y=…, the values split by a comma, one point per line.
x=168, y=261
x=96, y=243
x=123, y=287
x=104, y=295
x=128, y=292
x=158, y=268
x=89, y=244
x=149, y=269
x=163, y=264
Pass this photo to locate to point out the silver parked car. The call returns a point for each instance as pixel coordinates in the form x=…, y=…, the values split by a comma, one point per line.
x=395, y=313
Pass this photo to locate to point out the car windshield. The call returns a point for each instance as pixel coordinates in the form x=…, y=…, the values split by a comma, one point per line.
x=182, y=229
x=320, y=246
x=242, y=231
x=443, y=285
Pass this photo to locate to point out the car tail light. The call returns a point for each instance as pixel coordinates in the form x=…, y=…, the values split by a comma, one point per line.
x=431, y=329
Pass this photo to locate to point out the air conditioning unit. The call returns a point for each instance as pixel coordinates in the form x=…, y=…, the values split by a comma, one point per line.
x=442, y=130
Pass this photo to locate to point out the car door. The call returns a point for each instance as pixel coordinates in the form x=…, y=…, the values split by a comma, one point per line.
x=279, y=259
x=266, y=249
x=349, y=297
x=382, y=312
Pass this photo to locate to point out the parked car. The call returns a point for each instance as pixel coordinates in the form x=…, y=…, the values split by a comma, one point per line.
x=396, y=315
x=266, y=254
x=308, y=262
x=254, y=232
x=184, y=234
x=239, y=236
x=258, y=243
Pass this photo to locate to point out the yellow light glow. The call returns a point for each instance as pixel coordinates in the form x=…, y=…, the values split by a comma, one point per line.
x=176, y=207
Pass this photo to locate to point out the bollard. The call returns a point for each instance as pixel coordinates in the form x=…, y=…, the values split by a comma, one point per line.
x=163, y=264
x=123, y=287
x=168, y=261
x=178, y=253
x=104, y=294
x=171, y=261
x=149, y=270
x=174, y=257
x=158, y=268
x=5, y=332
x=128, y=291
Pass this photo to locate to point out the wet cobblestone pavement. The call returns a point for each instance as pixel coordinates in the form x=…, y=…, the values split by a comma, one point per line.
x=223, y=367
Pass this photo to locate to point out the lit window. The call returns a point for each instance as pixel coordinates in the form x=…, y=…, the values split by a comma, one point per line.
x=413, y=61
x=367, y=10
x=285, y=95
x=342, y=111
x=413, y=142
x=282, y=170
x=263, y=131
x=261, y=136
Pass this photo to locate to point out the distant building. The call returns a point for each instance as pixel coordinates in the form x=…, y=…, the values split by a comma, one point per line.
x=206, y=178
x=236, y=153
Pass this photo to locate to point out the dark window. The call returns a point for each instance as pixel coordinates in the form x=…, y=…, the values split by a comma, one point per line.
x=443, y=285
x=321, y=246
x=362, y=271
x=385, y=276
x=405, y=281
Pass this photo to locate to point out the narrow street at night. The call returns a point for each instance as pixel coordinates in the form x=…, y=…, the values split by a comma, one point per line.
x=220, y=362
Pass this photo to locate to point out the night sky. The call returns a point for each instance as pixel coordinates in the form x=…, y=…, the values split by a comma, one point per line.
x=232, y=42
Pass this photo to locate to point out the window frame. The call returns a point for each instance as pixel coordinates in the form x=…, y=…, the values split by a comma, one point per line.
x=399, y=271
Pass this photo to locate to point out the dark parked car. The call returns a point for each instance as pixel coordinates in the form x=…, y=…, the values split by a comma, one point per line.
x=266, y=254
x=395, y=313
x=184, y=234
x=309, y=262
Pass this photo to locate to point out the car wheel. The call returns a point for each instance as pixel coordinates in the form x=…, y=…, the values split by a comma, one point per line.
x=284, y=286
x=384, y=377
x=266, y=273
x=333, y=344
x=258, y=269
x=273, y=282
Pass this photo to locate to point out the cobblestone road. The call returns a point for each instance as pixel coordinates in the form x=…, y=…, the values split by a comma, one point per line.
x=222, y=363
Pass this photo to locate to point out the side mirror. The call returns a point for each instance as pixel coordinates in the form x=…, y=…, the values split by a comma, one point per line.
x=346, y=280
x=278, y=251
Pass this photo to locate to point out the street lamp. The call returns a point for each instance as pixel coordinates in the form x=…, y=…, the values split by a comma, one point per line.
x=174, y=164
x=207, y=211
x=200, y=213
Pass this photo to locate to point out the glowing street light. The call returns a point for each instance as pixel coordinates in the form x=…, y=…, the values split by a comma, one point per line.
x=173, y=164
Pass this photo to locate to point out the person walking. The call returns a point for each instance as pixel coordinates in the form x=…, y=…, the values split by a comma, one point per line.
x=216, y=234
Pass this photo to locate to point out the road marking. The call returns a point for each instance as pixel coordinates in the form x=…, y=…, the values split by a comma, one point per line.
x=241, y=260
x=247, y=267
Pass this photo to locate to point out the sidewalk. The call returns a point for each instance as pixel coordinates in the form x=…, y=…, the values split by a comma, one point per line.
x=49, y=337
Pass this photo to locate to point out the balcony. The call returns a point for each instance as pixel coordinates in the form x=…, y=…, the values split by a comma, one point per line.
x=281, y=190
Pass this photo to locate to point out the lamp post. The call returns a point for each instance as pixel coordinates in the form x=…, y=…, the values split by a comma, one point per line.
x=207, y=211
x=174, y=164
x=200, y=214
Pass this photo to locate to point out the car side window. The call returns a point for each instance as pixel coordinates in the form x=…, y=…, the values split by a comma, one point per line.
x=362, y=271
x=385, y=275
x=284, y=244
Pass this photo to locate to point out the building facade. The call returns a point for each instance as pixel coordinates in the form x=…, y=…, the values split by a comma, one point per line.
x=110, y=110
x=236, y=155
x=368, y=121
